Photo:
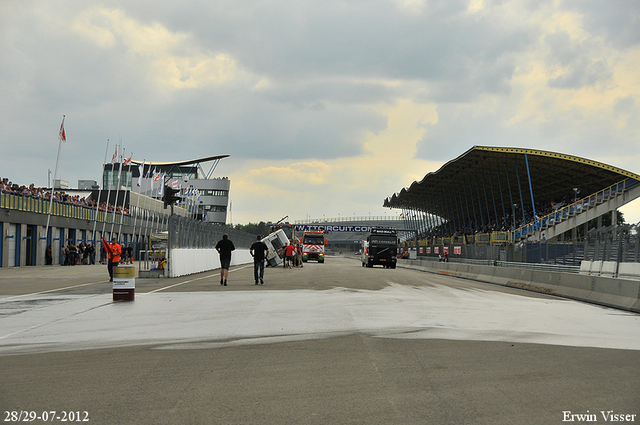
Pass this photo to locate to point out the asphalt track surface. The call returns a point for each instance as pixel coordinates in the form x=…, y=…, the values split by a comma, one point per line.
x=330, y=343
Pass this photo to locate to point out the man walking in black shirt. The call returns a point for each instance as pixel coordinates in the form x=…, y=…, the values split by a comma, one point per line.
x=259, y=252
x=224, y=248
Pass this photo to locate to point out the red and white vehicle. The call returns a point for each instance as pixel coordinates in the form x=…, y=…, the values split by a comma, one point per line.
x=313, y=242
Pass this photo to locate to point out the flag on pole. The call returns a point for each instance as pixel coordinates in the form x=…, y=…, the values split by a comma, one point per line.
x=140, y=173
x=156, y=175
x=127, y=161
x=62, y=135
x=121, y=161
x=115, y=156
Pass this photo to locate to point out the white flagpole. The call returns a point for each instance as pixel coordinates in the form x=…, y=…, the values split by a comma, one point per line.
x=106, y=208
x=135, y=219
x=55, y=173
x=124, y=196
x=95, y=218
x=143, y=189
x=115, y=208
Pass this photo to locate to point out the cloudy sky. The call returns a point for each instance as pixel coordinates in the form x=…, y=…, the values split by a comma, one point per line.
x=326, y=107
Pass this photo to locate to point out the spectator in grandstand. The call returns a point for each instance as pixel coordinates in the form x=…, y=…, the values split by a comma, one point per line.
x=40, y=192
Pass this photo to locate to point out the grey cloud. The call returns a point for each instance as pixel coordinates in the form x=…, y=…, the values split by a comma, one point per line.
x=459, y=128
x=618, y=22
x=299, y=41
x=576, y=57
x=324, y=61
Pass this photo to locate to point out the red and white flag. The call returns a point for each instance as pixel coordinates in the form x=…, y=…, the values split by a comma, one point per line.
x=62, y=134
x=127, y=161
x=114, y=158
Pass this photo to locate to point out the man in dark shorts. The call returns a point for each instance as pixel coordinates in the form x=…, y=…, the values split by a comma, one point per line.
x=259, y=252
x=224, y=248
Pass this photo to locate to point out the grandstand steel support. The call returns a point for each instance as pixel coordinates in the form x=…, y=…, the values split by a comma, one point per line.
x=432, y=220
x=480, y=205
x=493, y=197
x=429, y=207
x=513, y=206
x=524, y=217
x=459, y=197
x=473, y=206
x=452, y=211
x=464, y=190
x=456, y=210
x=504, y=212
x=443, y=200
x=533, y=203
x=486, y=200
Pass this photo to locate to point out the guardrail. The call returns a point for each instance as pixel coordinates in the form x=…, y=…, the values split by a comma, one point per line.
x=574, y=209
x=547, y=221
x=561, y=268
x=20, y=202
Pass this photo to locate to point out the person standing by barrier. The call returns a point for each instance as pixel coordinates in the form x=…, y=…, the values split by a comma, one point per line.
x=113, y=251
x=299, y=254
x=259, y=252
x=130, y=254
x=92, y=254
x=224, y=248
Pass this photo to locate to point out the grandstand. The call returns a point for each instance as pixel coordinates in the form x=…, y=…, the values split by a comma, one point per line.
x=512, y=196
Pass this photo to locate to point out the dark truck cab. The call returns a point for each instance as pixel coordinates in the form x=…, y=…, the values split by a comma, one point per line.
x=380, y=247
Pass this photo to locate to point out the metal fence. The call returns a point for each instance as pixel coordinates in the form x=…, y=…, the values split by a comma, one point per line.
x=186, y=232
x=614, y=243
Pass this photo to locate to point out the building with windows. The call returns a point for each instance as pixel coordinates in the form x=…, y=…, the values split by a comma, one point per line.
x=206, y=196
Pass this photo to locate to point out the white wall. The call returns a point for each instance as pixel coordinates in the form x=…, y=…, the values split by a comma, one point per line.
x=189, y=261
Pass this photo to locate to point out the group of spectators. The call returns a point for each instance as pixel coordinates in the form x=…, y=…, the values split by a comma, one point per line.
x=72, y=255
x=504, y=224
x=44, y=193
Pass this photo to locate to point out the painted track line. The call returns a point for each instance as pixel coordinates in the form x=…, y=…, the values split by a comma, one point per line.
x=51, y=290
x=192, y=280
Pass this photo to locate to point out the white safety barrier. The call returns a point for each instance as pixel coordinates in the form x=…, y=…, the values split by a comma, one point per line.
x=189, y=261
x=621, y=293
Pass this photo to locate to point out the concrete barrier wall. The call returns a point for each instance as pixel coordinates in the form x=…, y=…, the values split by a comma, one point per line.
x=611, y=269
x=612, y=292
x=189, y=261
x=629, y=270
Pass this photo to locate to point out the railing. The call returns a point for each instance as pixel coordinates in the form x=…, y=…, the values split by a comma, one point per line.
x=574, y=209
x=349, y=218
x=26, y=203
